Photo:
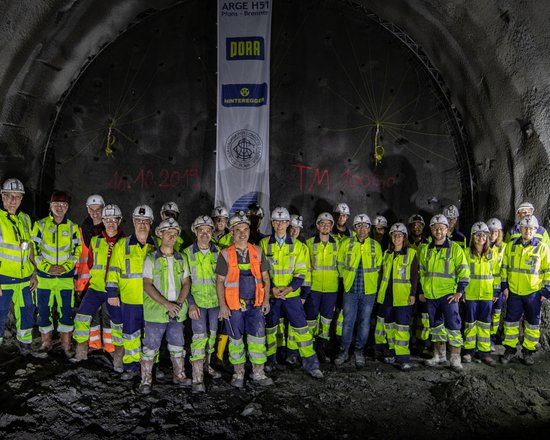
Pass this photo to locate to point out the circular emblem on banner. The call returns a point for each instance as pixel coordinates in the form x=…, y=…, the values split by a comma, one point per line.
x=243, y=149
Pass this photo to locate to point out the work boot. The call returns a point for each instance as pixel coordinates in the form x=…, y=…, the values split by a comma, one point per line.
x=270, y=365
x=389, y=360
x=259, y=377
x=456, y=363
x=488, y=360
x=467, y=358
x=128, y=375
x=321, y=353
x=24, y=349
x=439, y=356
x=198, y=377
x=359, y=358
x=65, y=339
x=81, y=352
x=47, y=343
x=179, y=377
x=159, y=374
x=405, y=367
x=146, y=376
x=341, y=357
x=118, y=354
x=528, y=358
x=238, y=376
x=316, y=373
x=214, y=374
x=507, y=356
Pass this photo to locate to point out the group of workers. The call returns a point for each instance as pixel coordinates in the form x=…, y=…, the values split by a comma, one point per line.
x=278, y=297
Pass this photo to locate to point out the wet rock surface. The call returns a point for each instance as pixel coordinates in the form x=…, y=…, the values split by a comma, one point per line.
x=52, y=398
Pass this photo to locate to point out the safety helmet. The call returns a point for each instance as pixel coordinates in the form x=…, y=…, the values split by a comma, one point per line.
x=439, y=219
x=451, y=211
x=361, y=218
x=416, y=218
x=95, y=199
x=281, y=214
x=529, y=221
x=202, y=220
x=220, y=211
x=325, y=216
x=342, y=208
x=494, y=224
x=164, y=225
x=297, y=221
x=399, y=227
x=111, y=211
x=479, y=227
x=238, y=218
x=170, y=206
x=143, y=211
x=13, y=185
x=381, y=221
x=255, y=209
x=60, y=196
x=525, y=205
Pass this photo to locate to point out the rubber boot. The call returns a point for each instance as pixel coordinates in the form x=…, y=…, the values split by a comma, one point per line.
x=198, y=377
x=65, y=338
x=118, y=354
x=81, y=352
x=179, y=373
x=208, y=367
x=47, y=342
x=259, y=377
x=440, y=354
x=456, y=363
x=321, y=352
x=146, y=376
x=238, y=376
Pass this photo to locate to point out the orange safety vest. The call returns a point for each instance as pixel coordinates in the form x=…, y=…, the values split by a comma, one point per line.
x=82, y=268
x=232, y=297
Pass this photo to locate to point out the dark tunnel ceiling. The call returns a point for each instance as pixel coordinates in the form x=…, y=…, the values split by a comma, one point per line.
x=336, y=76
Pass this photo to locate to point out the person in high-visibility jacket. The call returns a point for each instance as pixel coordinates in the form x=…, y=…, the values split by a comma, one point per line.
x=288, y=270
x=57, y=247
x=396, y=297
x=525, y=282
x=452, y=214
x=165, y=273
x=242, y=280
x=98, y=261
x=526, y=209
x=359, y=264
x=171, y=210
x=421, y=319
x=124, y=286
x=321, y=301
x=497, y=245
x=480, y=294
x=92, y=226
x=17, y=271
x=444, y=274
x=221, y=236
x=201, y=258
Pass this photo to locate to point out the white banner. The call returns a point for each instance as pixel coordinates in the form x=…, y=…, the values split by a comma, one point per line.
x=242, y=158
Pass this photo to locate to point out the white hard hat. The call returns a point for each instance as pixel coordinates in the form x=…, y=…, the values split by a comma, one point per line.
x=281, y=214
x=202, y=220
x=529, y=221
x=110, y=211
x=297, y=221
x=399, y=227
x=526, y=205
x=439, y=219
x=324, y=216
x=13, y=185
x=170, y=206
x=361, y=218
x=95, y=199
x=381, y=221
x=164, y=225
x=143, y=211
x=451, y=211
x=494, y=224
x=220, y=211
x=479, y=227
x=416, y=218
x=342, y=208
x=255, y=209
x=238, y=218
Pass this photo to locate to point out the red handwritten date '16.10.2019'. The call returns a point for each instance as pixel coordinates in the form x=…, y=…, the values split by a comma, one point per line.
x=163, y=178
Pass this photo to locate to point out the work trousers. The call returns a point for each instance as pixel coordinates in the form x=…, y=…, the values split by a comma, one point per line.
x=251, y=323
x=445, y=322
x=319, y=308
x=477, y=327
x=529, y=307
x=204, y=333
x=60, y=291
x=19, y=292
x=393, y=325
x=153, y=334
x=132, y=326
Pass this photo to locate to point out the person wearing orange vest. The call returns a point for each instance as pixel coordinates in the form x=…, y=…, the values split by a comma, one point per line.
x=242, y=280
x=92, y=226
